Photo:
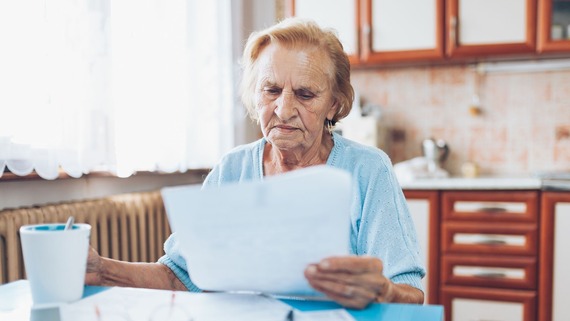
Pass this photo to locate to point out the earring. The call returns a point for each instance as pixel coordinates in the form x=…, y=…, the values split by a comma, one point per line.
x=329, y=126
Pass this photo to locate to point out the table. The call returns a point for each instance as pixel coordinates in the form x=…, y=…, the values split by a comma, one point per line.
x=16, y=305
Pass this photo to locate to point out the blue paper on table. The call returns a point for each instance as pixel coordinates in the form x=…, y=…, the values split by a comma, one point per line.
x=261, y=235
x=377, y=312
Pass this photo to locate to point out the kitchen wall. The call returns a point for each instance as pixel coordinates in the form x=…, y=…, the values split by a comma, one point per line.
x=523, y=127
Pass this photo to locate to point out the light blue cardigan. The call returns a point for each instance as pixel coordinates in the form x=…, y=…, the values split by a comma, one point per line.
x=381, y=225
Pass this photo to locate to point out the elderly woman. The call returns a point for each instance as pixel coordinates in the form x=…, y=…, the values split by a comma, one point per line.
x=296, y=84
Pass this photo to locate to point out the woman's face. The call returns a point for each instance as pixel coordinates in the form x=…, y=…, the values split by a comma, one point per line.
x=293, y=96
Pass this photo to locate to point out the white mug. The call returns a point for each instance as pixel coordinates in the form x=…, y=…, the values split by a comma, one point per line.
x=55, y=260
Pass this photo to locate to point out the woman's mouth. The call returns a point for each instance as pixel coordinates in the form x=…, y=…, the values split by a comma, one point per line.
x=285, y=127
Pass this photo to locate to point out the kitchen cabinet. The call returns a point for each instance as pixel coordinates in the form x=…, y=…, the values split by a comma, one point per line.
x=343, y=16
x=489, y=255
x=401, y=30
x=424, y=209
x=554, y=289
x=480, y=28
x=553, y=26
x=480, y=304
x=377, y=31
x=503, y=247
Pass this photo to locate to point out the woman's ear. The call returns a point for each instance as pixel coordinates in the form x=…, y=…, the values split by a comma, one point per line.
x=333, y=110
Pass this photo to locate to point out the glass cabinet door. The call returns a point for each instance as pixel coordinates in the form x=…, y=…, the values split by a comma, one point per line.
x=560, y=23
x=378, y=31
x=554, y=26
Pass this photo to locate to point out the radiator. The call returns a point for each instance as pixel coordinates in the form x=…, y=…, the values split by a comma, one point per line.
x=129, y=227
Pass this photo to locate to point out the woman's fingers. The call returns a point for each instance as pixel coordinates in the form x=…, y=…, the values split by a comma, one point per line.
x=351, y=281
x=371, y=280
x=347, y=295
x=351, y=264
x=93, y=261
x=93, y=271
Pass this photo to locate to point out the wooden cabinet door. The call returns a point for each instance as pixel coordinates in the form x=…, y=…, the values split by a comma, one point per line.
x=424, y=209
x=553, y=26
x=401, y=30
x=554, y=285
x=341, y=15
x=477, y=304
x=478, y=28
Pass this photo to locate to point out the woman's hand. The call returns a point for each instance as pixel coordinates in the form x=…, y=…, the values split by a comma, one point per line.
x=356, y=281
x=108, y=272
x=93, y=274
x=352, y=281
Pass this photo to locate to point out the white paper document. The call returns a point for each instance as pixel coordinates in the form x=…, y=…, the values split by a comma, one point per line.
x=126, y=304
x=260, y=236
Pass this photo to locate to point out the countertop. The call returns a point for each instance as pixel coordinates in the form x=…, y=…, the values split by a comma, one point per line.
x=487, y=183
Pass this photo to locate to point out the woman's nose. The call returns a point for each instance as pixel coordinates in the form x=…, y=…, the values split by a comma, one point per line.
x=286, y=108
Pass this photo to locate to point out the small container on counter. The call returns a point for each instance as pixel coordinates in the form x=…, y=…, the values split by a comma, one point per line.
x=469, y=170
x=556, y=32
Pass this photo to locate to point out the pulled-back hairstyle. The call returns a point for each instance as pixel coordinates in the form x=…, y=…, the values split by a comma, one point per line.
x=293, y=32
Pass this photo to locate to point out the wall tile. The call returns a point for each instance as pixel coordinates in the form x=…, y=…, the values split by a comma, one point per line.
x=516, y=134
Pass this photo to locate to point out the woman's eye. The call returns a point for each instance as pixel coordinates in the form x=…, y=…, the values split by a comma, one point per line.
x=272, y=91
x=305, y=95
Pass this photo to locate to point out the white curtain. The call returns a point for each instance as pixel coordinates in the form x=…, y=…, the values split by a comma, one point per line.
x=120, y=86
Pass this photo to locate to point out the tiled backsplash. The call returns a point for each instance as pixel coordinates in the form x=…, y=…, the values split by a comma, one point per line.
x=524, y=126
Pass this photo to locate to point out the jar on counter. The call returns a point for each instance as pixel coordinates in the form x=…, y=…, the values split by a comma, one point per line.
x=469, y=170
x=556, y=32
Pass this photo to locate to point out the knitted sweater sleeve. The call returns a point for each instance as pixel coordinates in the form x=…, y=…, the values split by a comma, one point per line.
x=385, y=227
x=381, y=225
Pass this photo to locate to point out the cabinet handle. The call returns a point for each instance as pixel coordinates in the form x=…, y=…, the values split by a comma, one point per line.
x=491, y=242
x=493, y=209
x=453, y=31
x=489, y=239
x=490, y=275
